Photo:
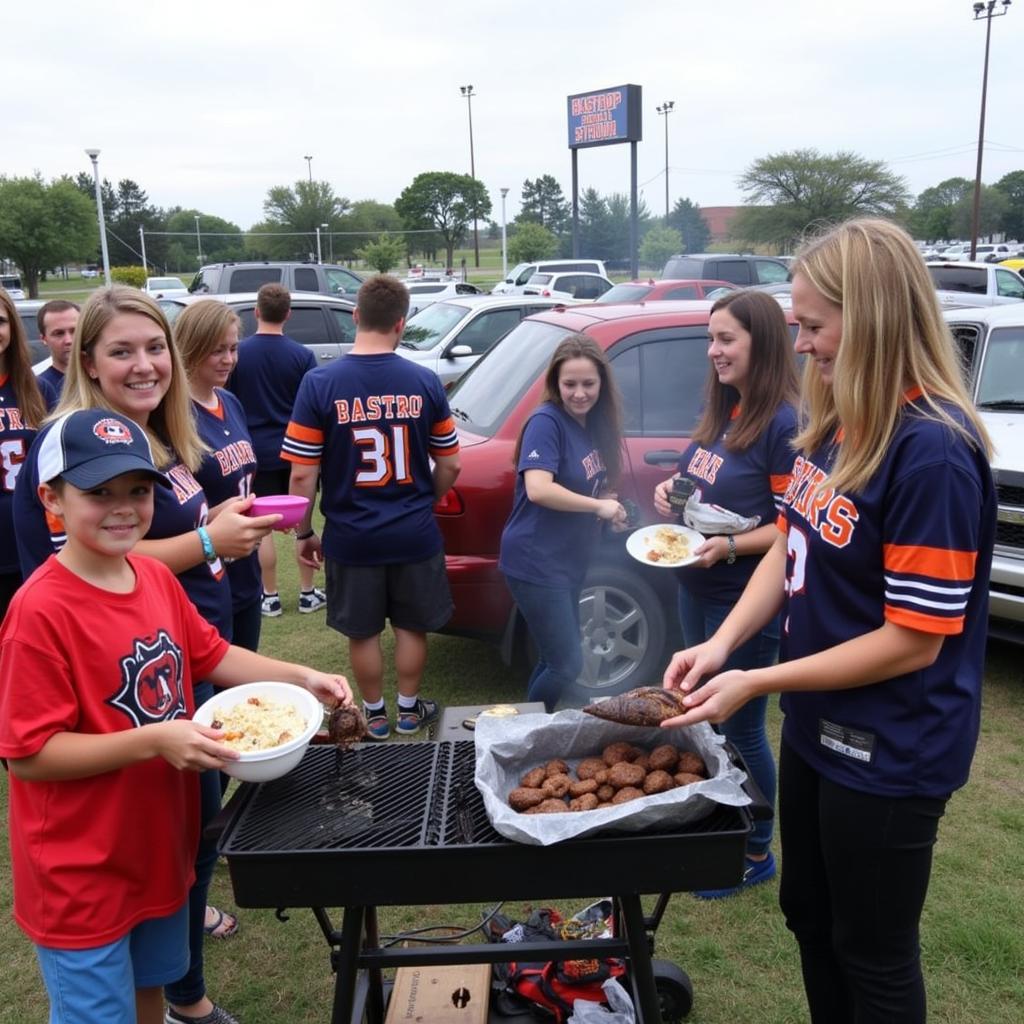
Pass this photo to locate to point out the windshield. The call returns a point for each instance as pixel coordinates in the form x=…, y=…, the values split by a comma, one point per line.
x=1002, y=373
x=165, y=282
x=960, y=279
x=516, y=271
x=626, y=293
x=429, y=325
x=483, y=397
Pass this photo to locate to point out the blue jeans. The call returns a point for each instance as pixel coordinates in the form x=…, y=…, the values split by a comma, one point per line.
x=699, y=619
x=553, y=617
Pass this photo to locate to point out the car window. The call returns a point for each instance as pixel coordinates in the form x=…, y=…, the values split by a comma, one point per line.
x=686, y=291
x=345, y=324
x=769, y=272
x=960, y=279
x=31, y=325
x=571, y=283
x=482, y=332
x=590, y=287
x=541, y=278
x=466, y=289
x=626, y=293
x=526, y=274
x=203, y=281
x=736, y=271
x=306, y=324
x=172, y=310
x=340, y=281
x=250, y=279
x=1009, y=285
x=483, y=398
x=1002, y=372
x=431, y=325
x=306, y=280
x=426, y=289
x=515, y=273
x=681, y=266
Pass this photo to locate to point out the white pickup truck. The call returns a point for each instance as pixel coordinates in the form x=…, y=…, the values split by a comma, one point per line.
x=963, y=284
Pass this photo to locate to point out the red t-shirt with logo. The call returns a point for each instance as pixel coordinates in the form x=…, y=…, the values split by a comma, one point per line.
x=93, y=857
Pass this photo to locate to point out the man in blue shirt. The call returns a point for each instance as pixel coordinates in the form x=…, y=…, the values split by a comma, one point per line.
x=56, y=321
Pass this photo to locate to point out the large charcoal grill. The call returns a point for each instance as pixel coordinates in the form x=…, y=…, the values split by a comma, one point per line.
x=397, y=823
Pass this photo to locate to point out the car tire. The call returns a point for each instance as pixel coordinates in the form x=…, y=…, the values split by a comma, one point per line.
x=622, y=632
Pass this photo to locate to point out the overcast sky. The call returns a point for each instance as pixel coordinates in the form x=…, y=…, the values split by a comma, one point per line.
x=209, y=104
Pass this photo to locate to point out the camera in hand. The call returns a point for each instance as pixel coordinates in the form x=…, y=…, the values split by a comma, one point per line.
x=682, y=488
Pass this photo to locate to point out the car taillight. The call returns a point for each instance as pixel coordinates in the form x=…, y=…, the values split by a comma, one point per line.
x=449, y=505
x=546, y=293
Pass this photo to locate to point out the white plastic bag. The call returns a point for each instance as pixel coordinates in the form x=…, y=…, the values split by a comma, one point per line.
x=713, y=519
x=621, y=1012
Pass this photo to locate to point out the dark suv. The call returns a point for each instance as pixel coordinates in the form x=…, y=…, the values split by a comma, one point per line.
x=224, y=278
x=721, y=266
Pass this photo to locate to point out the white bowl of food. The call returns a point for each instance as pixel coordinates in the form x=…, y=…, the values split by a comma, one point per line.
x=269, y=724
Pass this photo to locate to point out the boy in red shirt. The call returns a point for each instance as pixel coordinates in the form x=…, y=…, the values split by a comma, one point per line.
x=97, y=657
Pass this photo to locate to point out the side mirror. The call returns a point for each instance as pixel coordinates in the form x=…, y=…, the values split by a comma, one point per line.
x=458, y=350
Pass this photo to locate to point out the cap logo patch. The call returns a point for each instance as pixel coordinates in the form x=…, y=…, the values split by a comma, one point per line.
x=111, y=431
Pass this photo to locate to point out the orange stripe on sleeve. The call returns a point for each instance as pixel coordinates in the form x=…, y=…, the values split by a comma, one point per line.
x=939, y=563
x=299, y=459
x=308, y=434
x=443, y=427
x=780, y=483
x=780, y=522
x=924, y=623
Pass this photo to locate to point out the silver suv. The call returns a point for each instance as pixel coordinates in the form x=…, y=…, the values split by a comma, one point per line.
x=991, y=343
x=222, y=278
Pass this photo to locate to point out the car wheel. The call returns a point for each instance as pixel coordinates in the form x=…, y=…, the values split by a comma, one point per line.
x=622, y=631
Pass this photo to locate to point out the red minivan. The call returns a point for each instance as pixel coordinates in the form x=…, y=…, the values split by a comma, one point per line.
x=658, y=355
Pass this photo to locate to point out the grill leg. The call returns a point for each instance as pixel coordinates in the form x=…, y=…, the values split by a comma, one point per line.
x=641, y=973
x=375, y=995
x=346, y=965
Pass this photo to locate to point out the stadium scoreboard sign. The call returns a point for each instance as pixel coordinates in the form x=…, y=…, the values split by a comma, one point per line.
x=605, y=117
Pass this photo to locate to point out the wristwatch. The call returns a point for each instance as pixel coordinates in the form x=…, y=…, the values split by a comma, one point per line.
x=731, y=560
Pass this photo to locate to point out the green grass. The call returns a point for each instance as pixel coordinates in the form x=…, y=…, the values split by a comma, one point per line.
x=742, y=960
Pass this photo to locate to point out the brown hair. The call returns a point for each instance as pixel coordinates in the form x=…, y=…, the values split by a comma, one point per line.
x=771, y=380
x=53, y=306
x=171, y=428
x=199, y=328
x=273, y=303
x=604, y=421
x=17, y=365
x=894, y=338
x=382, y=301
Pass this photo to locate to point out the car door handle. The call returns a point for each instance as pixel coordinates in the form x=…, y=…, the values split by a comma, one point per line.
x=663, y=457
x=326, y=355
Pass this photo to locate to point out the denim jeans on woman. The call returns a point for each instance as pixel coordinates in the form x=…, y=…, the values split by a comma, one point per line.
x=745, y=729
x=552, y=616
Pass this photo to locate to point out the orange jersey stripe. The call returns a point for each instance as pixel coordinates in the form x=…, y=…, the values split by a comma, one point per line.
x=443, y=427
x=300, y=459
x=308, y=434
x=779, y=484
x=939, y=563
x=924, y=623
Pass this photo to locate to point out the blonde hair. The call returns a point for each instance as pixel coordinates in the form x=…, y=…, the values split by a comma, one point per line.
x=171, y=428
x=893, y=339
x=198, y=330
x=18, y=366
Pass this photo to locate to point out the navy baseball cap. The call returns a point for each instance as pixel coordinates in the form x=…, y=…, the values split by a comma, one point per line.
x=90, y=447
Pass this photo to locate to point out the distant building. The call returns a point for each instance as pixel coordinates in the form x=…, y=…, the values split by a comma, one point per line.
x=718, y=219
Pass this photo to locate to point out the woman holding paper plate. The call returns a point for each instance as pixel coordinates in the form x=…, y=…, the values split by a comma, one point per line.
x=739, y=461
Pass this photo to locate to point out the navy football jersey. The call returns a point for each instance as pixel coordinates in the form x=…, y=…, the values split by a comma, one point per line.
x=372, y=423
x=15, y=441
x=51, y=384
x=914, y=548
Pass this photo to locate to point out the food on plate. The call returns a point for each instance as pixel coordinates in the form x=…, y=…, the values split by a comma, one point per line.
x=258, y=723
x=524, y=797
x=691, y=763
x=664, y=758
x=667, y=546
x=590, y=767
x=646, y=705
x=658, y=781
x=556, y=767
x=627, y=793
x=625, y=774
x=616, y=752
x=557, y=785
x=346, y=725
x=534, y=778
x=584, y=802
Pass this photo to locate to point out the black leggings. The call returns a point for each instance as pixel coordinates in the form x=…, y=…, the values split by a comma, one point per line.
x=855, y=871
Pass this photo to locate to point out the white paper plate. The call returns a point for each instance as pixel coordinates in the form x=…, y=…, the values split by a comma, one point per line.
x=639, y=542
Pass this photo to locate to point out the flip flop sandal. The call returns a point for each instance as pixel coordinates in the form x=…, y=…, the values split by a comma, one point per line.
x=220, y=929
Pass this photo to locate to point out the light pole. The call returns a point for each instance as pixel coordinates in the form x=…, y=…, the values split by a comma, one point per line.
x=467, y=91
x=94, y=156
x=319, y=255
x=309, y=166
x=665, y=109
x=199, y=241
x=988, y=12
x=323, y=227
x=504, y=246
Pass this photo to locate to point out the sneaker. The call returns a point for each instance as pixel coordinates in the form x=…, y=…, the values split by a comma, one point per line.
x=313, y=601
x=410, y=722
x=218, y=1015
x=756, y=872
x=377, y=723
x=271, y=606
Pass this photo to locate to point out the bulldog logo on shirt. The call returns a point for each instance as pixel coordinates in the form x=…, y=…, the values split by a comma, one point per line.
x=152, y=682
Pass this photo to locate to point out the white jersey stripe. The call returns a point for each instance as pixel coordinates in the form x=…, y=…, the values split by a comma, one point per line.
x=946, y=606
x=895, y=581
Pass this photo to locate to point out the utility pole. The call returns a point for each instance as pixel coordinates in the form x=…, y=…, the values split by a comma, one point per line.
x=665, y=109
x=467, y=91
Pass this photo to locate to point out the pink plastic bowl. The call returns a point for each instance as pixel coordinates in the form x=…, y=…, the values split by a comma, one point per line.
x=291, y=506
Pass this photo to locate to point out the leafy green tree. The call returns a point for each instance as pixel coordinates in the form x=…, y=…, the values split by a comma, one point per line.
x=221, y=239
x=446, y=202
x=597, y=233
x=294, y=214
x=659, y=243
x=542, y=202
x=618, y=204
x=531, y=242
x=1012, y=186
x=932, y=216
x=367, y=217
x=130, y=275
x=43, y=226
x=384, y=254
x=796, y=191
x=992, y=206
x=686, y=218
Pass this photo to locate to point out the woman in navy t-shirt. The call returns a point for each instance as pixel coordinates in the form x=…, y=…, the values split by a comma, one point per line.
x=740, y=459
x=570, y=449
x=880, y=572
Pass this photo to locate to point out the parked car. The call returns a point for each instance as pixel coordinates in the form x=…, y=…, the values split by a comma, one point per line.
x=226, y=278
x=962, y=284
x=424, y=293
x=1016, y=263
x=11, y=284
x=731, y=267
x=658, y=355
x=515, y=282
x=26, y=310
x=90, y=272
x=662, y=291
x=164, y=287
x=321, y=322
x=571, y=285
x=993, y=253
x=991, y=343
x=451, y=336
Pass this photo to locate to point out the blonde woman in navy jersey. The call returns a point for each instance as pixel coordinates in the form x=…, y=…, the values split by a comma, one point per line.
x=880, y=571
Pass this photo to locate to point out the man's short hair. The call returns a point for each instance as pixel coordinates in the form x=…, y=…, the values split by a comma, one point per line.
x=273, y=303
x=54, y=306
x=382, y=301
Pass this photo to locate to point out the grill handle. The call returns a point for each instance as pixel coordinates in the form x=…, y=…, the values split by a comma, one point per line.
x=215, y=827
x=760, y=809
